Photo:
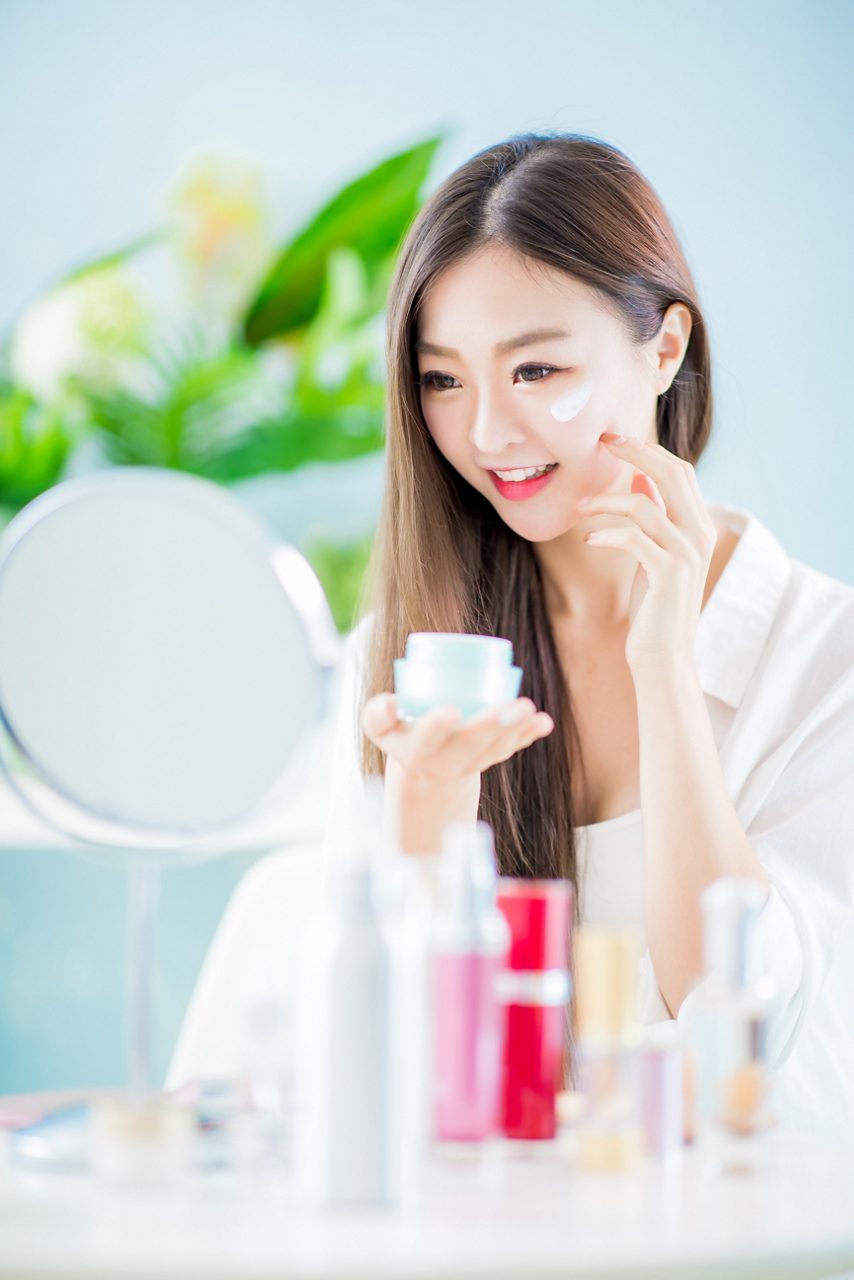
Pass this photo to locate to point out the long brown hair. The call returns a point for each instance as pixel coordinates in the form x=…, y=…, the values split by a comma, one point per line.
x=443, y=560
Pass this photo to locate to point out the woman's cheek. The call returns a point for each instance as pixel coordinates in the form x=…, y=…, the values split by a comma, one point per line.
x=606, y=469
x=577, y=418
x=592, y=467
x=443, y=439
x=576, y=444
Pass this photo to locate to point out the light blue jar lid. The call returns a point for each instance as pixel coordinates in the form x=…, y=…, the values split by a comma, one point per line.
x=465, y=652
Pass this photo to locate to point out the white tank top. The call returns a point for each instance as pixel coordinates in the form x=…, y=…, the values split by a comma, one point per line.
x=610, y=872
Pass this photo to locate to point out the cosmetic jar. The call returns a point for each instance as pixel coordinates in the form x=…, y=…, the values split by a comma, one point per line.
x=472, y=672
x=144, y=1142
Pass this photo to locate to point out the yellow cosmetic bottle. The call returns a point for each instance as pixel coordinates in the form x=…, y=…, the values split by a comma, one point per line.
x=608, y=1039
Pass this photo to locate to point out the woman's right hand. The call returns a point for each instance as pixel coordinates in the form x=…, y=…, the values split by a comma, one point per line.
x=441, y=749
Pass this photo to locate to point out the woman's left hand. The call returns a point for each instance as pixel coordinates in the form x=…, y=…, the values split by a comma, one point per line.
x=673, y=538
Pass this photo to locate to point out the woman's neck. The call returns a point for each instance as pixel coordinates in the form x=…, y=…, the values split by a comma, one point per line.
x=588, y=588
x=585, y=587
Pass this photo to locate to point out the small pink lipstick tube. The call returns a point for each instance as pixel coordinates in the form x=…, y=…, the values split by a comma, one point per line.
x=535, y=989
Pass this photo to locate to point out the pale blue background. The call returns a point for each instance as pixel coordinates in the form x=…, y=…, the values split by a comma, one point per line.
x=740, y=114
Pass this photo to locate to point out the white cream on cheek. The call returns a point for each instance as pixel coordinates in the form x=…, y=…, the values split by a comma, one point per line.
x=571, y=404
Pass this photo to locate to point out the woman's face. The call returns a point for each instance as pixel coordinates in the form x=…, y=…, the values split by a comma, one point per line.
x=492, y=409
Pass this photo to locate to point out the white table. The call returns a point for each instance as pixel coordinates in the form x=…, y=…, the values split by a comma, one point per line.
x=524, y=1212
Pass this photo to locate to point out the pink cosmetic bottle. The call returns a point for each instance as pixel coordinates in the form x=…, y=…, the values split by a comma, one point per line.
x=470, y=946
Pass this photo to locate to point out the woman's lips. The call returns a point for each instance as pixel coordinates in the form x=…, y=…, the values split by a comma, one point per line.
x=516, y=490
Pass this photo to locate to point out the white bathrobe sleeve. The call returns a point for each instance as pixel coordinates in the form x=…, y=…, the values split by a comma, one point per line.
x=803, y=834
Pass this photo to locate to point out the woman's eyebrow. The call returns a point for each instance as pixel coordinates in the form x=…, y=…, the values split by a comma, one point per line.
x=500, y=348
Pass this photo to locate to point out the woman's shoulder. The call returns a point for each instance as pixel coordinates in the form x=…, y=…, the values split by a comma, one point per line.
x=778, y=634
x=810, y=611
x=811, y=649
x=819, y=591
x=818, y=615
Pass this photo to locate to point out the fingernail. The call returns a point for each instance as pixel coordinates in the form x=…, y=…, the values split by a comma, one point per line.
x=585, y=502
x=611, y=437
x=512, y=714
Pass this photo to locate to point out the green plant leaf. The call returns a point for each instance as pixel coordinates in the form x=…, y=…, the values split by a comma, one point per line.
x=370, y=215
x=34, y=446
x=335, y=334
x=294, y=441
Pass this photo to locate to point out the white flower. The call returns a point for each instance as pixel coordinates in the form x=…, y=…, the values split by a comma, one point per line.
x=89, y=328
x=48, y=344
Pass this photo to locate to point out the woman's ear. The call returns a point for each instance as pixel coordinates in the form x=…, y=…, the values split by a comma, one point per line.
x=671, y=344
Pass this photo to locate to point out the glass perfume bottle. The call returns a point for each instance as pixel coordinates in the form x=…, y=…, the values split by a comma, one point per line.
x=609, y=1047
x=724, y=1021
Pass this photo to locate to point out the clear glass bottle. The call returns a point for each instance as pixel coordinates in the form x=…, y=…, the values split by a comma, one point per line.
x=724, y=1022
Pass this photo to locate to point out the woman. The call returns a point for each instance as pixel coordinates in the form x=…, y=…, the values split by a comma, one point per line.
x=687, y=705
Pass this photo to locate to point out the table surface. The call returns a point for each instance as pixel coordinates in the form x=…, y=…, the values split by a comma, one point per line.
x=520, y=1209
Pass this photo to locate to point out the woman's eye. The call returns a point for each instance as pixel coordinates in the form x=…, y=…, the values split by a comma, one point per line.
x=430, y=380
x=435, y=379
x=537, y=368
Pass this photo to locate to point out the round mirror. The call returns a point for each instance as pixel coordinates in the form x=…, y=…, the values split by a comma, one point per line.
x=164, y=668
x=162, y=663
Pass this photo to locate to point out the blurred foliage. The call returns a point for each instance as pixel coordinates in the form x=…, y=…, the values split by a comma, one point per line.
x=115, y=257
x=275, y=358
x=200, y=398
x=34, y=447
x=341, y=570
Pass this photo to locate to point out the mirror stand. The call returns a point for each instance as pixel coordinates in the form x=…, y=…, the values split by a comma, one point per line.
x=143, y=893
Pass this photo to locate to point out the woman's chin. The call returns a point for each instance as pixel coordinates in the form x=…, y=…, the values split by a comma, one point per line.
x=542, y=526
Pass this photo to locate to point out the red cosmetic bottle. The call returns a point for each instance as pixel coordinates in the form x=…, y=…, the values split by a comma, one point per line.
x=535, y=989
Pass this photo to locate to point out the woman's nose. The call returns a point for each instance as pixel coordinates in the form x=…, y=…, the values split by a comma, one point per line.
x=494, y=427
